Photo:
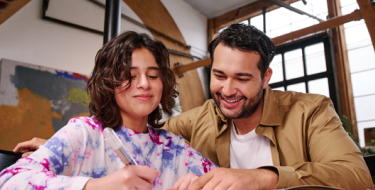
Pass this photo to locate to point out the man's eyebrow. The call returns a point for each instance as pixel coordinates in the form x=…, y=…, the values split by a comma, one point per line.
x=237, y=74
x=217, y=71
x=244, y=75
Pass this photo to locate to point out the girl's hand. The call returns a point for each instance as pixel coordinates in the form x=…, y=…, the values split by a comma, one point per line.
x=128, y=177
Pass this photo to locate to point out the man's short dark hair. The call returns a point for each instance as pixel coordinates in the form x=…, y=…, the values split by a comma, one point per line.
x=246, y=38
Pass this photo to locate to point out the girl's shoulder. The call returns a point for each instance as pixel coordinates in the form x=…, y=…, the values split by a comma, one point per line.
x=88, y=122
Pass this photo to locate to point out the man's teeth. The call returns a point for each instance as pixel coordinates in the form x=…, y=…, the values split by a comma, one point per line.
x=232, y=101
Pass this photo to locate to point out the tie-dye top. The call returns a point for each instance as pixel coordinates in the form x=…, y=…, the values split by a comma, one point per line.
x=78, y=152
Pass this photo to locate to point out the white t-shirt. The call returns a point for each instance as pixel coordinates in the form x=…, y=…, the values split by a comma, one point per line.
x=249, y=151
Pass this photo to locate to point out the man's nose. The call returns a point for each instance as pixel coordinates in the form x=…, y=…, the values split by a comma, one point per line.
x=229, y=88
x=143, y=82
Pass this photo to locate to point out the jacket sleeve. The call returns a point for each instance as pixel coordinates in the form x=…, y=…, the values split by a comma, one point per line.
x=51, y=165
x=334, y=159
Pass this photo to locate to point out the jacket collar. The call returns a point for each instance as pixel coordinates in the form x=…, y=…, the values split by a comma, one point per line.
x=271, y=115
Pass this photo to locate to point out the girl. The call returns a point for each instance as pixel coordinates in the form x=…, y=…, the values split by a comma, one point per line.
x=130, y=79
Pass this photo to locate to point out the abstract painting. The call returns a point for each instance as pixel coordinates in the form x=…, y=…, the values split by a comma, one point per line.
x=37, y=101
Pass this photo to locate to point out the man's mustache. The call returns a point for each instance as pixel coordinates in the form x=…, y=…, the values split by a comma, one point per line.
x=230, y=97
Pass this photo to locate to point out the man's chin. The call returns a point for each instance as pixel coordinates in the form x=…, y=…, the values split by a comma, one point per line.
x=231, y=114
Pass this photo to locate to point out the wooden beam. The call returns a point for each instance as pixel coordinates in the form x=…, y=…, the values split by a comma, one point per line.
x=154, y=14
x=243, y=13
x=342, y=69
x=191, y=66
x=368, y=15
x=210, y=31
x=11, y=9
x=331, y=23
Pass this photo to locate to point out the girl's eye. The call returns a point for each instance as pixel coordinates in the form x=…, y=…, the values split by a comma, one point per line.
x=132, y=77
x=153, y=76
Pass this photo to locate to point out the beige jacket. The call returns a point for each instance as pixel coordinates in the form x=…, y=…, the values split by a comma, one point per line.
x=308, y=143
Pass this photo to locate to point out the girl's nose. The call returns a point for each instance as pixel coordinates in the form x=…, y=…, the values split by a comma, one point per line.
x=143, y=82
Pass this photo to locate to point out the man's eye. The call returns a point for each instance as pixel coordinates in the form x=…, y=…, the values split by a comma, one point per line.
x=219, y=76
x=243, y=80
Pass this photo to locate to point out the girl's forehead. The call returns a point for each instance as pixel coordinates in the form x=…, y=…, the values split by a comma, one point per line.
x=143, y=58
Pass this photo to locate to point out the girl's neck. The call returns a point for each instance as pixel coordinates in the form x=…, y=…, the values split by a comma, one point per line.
x=138, y=124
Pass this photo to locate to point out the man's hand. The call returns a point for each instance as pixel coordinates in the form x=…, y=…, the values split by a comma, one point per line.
x=184, y=182
x=28, y=147
x=233, y=179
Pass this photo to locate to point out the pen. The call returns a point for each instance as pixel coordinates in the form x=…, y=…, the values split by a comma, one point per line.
x=111, y=137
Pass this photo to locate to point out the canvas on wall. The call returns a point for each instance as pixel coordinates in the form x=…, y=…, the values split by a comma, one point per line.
x=37, y=101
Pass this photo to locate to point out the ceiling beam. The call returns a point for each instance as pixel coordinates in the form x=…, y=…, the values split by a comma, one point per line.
x=243, y=13
x=331, y=23
x=11, y=9
x=368, y=14
x=287, y=6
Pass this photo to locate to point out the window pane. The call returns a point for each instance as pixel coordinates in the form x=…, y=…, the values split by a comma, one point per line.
x=348, y=6
x=257, y=22
x=319, y=86
x=357, y=36
x=281, y=88
x=279, y=31
x=361, y=59
x=362, y=126
x=299, y=87
x=277, y=69
x=293, y=64
x=246, y=22
x=364, y=108
x=370, y=136
x=277, y=18
x=347, y=2
x=363, y=83
x=315, y=59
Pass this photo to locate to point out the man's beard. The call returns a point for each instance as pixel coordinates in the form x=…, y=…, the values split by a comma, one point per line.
x=246, y=110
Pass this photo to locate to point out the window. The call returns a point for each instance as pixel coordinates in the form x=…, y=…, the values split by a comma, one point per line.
x=361, y=61
x=306, y=67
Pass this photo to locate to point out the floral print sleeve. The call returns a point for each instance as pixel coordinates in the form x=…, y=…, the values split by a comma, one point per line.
x=79, y=152
x=53, y=165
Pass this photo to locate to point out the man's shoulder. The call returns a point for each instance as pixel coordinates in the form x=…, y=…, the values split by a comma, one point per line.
x=208, y=108
x=290, y=98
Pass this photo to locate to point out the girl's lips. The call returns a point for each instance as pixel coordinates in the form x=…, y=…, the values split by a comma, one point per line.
x=143, y=97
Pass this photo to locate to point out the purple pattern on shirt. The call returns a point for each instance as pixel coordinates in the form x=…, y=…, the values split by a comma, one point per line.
x=79, y=149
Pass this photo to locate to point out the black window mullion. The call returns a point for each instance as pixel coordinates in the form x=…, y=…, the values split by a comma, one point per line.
x=283, y=66
x=304, y=69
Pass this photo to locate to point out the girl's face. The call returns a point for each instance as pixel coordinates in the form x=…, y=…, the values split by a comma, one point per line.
x=145, y=91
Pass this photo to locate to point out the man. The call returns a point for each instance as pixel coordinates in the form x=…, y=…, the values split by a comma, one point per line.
x=269, y=139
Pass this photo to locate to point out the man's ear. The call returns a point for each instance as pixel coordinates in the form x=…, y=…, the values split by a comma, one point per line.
x=267, y=77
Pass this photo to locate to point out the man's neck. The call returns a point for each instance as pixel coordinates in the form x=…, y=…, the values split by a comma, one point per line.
x=245, y=125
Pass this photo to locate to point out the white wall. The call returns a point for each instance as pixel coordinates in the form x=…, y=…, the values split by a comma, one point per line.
x=25, y=37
